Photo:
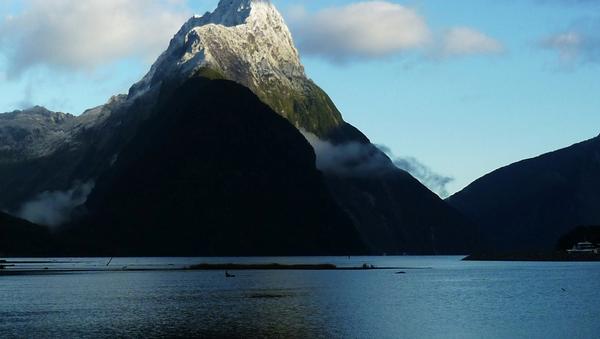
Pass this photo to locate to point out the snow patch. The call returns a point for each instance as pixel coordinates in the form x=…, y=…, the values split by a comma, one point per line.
x=246, y=40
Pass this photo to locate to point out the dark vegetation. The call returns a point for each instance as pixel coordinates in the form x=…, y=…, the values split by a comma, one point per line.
x=529, y=205
x=566, y=242
x=579, y=234
x=396, y=214
x=213, y=171
x=19, y=237
x=558, y=256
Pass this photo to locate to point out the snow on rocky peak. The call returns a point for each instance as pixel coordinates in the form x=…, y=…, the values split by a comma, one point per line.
x=246, y=41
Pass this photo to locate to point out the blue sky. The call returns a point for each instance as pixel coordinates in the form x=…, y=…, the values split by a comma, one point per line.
x=522, y=81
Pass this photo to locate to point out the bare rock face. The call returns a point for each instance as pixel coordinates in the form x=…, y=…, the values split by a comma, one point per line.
x=32, y=133
x=38, y=132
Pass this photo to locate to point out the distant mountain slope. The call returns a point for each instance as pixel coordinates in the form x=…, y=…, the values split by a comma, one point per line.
x=31, y=133
x=63, y=150
x=214, y=171
x=579, y=234
x=21, y=238
x=529, y=205
x=396, y=214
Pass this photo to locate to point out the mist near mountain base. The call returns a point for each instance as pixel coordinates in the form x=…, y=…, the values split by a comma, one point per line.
x=357, y=159
x=351, y=159
x=54, y=208
x=436, y=182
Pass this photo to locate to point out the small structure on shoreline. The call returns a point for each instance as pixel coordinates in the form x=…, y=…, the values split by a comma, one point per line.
x=584, y=247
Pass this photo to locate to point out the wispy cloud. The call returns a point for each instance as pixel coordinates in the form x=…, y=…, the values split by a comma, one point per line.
x=354, y=159
x=27, y=100
x=380, y=29
x=351, y=159
x=81, y=35
x=576, y=45
x=436, y=182
x=460, y=41
x=567, y=44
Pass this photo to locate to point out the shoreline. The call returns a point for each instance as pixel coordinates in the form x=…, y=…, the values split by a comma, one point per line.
x=10, y=270
x=535, y=257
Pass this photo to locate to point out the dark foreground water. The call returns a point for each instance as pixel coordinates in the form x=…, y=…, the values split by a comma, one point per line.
x=438, y=297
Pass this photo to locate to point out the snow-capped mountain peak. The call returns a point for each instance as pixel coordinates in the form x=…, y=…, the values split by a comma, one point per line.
x=246, y=41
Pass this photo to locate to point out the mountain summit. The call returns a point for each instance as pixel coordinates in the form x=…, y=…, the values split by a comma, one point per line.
x=246, y=41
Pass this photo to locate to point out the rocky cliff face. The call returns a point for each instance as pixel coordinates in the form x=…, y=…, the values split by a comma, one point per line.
x=32, y=133
x=43, y=151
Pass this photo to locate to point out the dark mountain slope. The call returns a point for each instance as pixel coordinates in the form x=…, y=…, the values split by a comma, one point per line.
x=396, y=214
x=579, y=234
x=214, y=172
x=79, y=153
x=21, y=238
x=529, y=205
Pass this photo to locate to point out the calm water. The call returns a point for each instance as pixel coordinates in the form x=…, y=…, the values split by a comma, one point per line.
x=438, y=297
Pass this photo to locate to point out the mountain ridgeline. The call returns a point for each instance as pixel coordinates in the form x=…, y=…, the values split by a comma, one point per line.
x=209, y=154
x=531, y=204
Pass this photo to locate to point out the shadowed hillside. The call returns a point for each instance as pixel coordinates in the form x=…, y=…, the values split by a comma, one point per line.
x=529, y=205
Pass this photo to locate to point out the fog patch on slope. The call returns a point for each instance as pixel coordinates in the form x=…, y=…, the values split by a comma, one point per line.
x=352, y=159
x=356, y=159
x=435, y=182
x=53, y=208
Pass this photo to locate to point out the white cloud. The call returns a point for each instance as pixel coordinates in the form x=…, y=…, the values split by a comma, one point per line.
x=370, y=29
x=461, y=41
x=83, y=34
x=378, y=29
x=352, y=159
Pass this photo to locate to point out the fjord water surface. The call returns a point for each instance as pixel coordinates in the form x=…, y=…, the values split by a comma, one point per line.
x=437, y=297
